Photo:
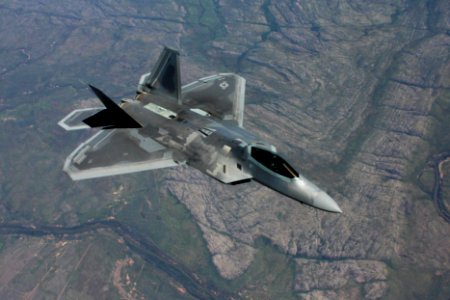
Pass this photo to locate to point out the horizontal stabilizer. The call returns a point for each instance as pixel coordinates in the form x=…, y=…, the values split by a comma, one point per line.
x=111, y=117
x=74, y=120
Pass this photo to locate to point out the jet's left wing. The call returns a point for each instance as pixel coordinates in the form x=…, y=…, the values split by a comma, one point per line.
x=117, y=151
x=220, y=95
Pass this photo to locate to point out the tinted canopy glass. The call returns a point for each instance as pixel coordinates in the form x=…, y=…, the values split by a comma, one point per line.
x=273, y=162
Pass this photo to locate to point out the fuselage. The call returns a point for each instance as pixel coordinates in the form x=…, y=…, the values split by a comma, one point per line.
x=221, y=149
x=199, y=124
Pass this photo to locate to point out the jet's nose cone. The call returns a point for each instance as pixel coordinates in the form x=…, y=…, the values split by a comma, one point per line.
x=325, y=202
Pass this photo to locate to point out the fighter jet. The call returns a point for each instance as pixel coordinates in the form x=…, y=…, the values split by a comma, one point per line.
x=167, y=125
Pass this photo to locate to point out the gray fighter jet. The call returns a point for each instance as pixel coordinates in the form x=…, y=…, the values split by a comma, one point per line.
x=199, y=124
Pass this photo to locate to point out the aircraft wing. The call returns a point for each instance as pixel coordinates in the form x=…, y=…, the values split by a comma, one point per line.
x=221, y=95
x=117, y=151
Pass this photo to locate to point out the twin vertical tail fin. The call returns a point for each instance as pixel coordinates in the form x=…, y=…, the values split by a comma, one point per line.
x=111, y=117
x=165, y=76
x=163, y=80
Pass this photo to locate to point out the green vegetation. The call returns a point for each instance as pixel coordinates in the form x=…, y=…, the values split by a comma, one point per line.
x=403, y=283
x=92, y=266
x=164, y=220
x=43, y=77
x=208, y=16
x=203, y=13
x=439, y=142
x=425, y=180
x=270, y=276
x=203, y=17
x=440, y=111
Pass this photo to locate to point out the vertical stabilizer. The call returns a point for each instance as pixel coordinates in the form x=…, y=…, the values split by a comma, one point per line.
x=165, y=76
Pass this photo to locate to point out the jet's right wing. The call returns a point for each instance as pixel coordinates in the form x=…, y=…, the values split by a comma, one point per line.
x=117, y=151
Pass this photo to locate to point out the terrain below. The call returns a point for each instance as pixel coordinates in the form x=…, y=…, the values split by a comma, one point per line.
x=355, y=94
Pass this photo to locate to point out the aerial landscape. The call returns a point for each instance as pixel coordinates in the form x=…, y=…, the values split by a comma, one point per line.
x=355, y=93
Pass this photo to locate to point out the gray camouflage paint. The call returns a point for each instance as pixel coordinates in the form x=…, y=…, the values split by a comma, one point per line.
x=200, y=127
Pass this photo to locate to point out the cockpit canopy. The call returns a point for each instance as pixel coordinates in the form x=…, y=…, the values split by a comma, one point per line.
x=273, y=162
